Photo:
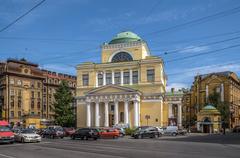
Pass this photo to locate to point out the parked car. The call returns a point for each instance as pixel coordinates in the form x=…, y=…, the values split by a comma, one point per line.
x=160, y=130
x=236, y=129
x=27, y=135
x=69, y=131
x=86, y=133
x=182, y=131
x=150, y=132
x=122, y=132
x=109, y=133
x=6, y=135
x=53, y=133
x=171, y=130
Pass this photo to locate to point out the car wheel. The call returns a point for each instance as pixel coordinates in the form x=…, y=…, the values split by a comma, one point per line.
x=85, y=138
x=95, y=138
x=73, y=137
x=52, y=136
x=140, y=136
x=174, y=134
x=160, y=135
x=115, y=137
x=22, y=140
x=61, y=137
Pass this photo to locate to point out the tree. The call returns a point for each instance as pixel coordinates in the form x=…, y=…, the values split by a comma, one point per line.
x=62, y=106
x=223, y=108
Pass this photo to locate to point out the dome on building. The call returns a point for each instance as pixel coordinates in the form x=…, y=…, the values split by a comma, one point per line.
x=125, y=37
x=209, y=107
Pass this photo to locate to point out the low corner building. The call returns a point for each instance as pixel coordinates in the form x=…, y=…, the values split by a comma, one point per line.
x=126, y=87
x=209, y=120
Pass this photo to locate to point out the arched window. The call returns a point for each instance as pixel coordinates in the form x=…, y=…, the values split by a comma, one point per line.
x=122, y=56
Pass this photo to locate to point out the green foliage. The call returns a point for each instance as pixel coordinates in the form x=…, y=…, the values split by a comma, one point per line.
x=223, y=107
x=129, y=131
x=63, y=110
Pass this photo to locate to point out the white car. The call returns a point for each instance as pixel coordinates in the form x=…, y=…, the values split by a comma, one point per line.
x=171, y=130
x=160, y=130
x=27, y=135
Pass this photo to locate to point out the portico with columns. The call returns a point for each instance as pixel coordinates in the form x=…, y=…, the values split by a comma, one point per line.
x=118, y=105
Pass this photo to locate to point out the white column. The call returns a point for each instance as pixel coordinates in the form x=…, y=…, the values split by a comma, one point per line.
x=170, y=111
x=106, y=120
x=179, y=115
x=113, y=77
x=96, y=79
x=126, y=120
x=222, y=92
x=206, y=93
x=88, y=120
x=104, y=78
x=115, y=112
x=97, y=114
x=136, y=113
x=161, y=113
x=130, y=74
x=121, y=77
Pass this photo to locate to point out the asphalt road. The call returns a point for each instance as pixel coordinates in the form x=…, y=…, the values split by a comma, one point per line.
x=186, y=147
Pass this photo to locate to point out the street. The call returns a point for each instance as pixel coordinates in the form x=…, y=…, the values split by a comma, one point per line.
x=180, y=146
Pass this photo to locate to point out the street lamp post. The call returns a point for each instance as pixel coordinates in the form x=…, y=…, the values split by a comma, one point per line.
x=147, y=117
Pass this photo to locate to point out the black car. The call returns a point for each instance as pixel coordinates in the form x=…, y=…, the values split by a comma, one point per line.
x=86, y=133
x=53, y=133
x=149, y=132
x=236, y=129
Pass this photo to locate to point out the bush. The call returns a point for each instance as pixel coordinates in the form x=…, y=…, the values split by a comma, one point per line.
x=129, y=131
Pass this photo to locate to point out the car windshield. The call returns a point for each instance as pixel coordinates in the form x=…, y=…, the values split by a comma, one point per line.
x=27, y=131
x=4, y=129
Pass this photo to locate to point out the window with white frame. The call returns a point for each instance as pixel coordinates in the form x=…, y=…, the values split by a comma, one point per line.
x=108, y=78
x=117, y=78
x=85, y=79
x=135, y=77
x=126, y=77
x=150, y=75
x=100, y=79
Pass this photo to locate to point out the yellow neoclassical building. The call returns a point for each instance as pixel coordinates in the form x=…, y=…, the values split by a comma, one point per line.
x=127, y=87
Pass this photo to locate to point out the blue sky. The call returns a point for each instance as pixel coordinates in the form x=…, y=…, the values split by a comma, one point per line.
x=61, y=34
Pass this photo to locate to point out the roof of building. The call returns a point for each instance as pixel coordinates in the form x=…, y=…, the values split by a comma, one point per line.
x=125, y=37
x=224, y=73
x=209, y=107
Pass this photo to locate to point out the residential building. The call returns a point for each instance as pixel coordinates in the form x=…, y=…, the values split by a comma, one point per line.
x=127, y=87
x=226, y=84
x=27, y=92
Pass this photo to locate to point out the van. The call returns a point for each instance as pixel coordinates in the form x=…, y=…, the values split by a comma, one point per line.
x=6, y=135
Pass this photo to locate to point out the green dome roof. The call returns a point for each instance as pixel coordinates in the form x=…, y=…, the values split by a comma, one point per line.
x=209, y=107
x=125, y=37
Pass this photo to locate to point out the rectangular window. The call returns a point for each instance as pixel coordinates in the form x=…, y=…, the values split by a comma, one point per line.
x=32, y=94
x=32, y=104
x=38, y=104
x=85, y=79
x=11, y=81
x=19, y=93
x=39, y=94
x=150, y=75
x=126, y=77
x=19, y=82
x=121, y=117
x=135, y=77
x=100, y=79
x=12, y=114
x=19, y=114
x=12, y=102
x=108, y=78
x=12, y=92
x=117, y=78
x=19, y=103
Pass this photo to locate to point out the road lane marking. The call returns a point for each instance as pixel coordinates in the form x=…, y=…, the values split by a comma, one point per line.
x=7, y=156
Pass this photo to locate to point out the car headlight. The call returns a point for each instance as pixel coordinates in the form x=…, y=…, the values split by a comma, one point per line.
x=25, y=136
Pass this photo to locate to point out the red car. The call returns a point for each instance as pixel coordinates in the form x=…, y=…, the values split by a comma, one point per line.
x=109, y=133
x=6, y=135
x=69, y=131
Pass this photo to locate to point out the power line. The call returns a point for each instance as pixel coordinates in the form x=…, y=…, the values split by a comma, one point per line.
x=199, y=20
x=204, y=53
x=201, y=45
x=23, y=15
x=218, y=65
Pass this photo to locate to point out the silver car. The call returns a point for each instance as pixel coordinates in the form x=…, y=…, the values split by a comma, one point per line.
x=27, y=135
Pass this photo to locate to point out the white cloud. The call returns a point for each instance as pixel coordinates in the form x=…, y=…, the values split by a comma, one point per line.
x=176, y=86
x=194, y=49
x=61, y=68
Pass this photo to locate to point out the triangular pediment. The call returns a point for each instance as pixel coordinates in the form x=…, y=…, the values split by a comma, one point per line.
x=108, y=89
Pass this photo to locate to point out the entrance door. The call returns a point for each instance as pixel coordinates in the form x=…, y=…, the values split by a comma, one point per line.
x=206, y=128
x=111, y=119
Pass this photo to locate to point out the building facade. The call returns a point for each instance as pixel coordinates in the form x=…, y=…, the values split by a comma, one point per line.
x=174, y=100
x=23, y=88
x=226, y=84
x=126, y=87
